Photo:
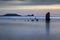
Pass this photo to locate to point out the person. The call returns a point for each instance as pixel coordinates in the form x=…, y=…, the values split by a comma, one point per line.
x=47, y=23
x=48, y=17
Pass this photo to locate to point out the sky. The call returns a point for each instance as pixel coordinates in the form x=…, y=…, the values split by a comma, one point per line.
x=29, y=2
x=36, y=7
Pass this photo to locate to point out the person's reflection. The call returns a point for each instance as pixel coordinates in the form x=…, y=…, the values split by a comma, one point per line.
x=47, y=27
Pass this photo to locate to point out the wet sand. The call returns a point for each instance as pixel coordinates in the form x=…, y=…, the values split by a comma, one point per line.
x=24, y=30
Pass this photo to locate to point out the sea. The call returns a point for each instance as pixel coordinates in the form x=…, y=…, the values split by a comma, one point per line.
x=17, y=29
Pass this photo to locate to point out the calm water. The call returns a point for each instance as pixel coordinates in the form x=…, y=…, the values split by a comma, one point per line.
x=23, y=30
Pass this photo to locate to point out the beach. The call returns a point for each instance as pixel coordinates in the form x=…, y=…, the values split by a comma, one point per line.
x=24, y=30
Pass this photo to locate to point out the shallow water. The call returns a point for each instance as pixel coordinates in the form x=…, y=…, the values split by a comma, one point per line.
x=24, y=30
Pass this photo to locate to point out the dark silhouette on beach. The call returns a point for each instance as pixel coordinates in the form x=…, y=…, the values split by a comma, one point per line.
x=31, y=15
x=47, y=16
x=47, y=23
x=36, y=19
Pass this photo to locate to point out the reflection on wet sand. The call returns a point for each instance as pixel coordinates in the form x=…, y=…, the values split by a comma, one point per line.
x=47, y=27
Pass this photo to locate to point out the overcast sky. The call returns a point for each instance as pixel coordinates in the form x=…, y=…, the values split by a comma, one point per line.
x=29, y=2
x=36, y=7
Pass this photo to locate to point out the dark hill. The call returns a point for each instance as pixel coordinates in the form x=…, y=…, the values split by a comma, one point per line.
x=11, y=15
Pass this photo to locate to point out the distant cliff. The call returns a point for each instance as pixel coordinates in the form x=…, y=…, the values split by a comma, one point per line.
x=11, y=15
x=16, y=15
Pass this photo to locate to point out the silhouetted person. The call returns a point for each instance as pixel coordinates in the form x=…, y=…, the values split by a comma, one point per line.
x=48, y=23
x=48, y=16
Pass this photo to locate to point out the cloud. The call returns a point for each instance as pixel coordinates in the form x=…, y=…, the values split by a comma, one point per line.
x=34, y=7
x=29, y=2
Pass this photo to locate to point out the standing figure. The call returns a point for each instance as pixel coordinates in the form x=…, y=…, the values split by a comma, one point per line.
x=47, y=23
x=48, y=17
